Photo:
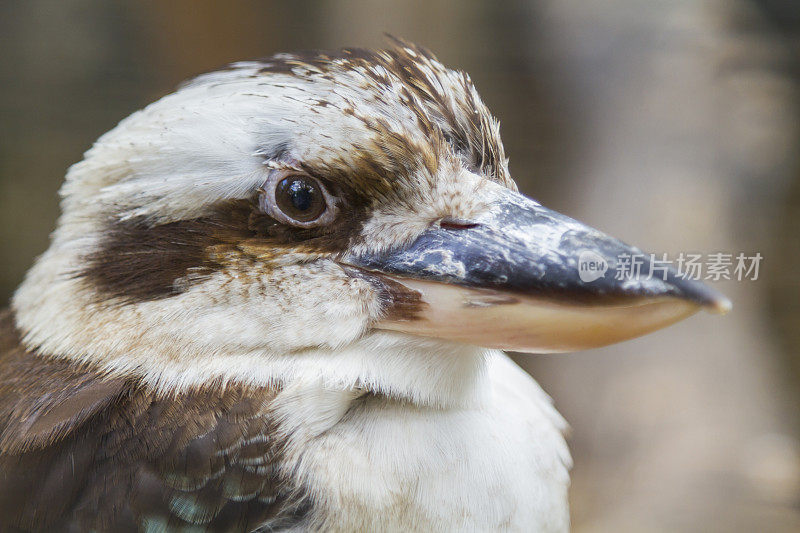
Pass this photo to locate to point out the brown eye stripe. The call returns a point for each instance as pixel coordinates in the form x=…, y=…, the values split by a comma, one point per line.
x=136, y=262
x=139, y=262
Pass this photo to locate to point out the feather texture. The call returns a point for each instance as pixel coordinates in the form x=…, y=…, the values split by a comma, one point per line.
x=183, y=362
x=80, y=451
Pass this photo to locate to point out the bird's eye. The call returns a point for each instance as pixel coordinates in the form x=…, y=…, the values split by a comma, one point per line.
x=298, y=199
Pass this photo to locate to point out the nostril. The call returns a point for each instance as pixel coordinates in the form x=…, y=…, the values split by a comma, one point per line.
x=456, y=223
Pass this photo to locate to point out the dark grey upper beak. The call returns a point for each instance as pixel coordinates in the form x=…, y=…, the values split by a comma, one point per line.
x=517, y=246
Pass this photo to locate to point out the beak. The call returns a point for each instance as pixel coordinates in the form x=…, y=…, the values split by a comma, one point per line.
x=522, y=277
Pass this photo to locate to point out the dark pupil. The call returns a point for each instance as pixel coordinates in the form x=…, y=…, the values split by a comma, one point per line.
x=301, y=195
x=300, y=198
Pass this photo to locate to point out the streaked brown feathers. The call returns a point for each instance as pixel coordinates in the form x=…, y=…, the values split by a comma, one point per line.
x=82, y=452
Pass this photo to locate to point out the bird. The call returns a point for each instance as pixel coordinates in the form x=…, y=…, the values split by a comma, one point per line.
x=278, y=299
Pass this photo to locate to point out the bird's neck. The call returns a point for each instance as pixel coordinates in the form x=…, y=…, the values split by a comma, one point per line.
x=424, y=372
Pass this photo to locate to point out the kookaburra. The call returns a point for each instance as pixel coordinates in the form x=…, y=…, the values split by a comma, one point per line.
x=275, y=300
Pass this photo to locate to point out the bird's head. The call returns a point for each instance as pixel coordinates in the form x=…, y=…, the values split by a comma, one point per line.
x=281, y=213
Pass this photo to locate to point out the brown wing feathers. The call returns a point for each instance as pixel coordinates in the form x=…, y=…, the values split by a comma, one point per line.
x=79, y=451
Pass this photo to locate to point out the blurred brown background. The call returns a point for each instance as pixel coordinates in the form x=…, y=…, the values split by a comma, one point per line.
x=670, y=124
